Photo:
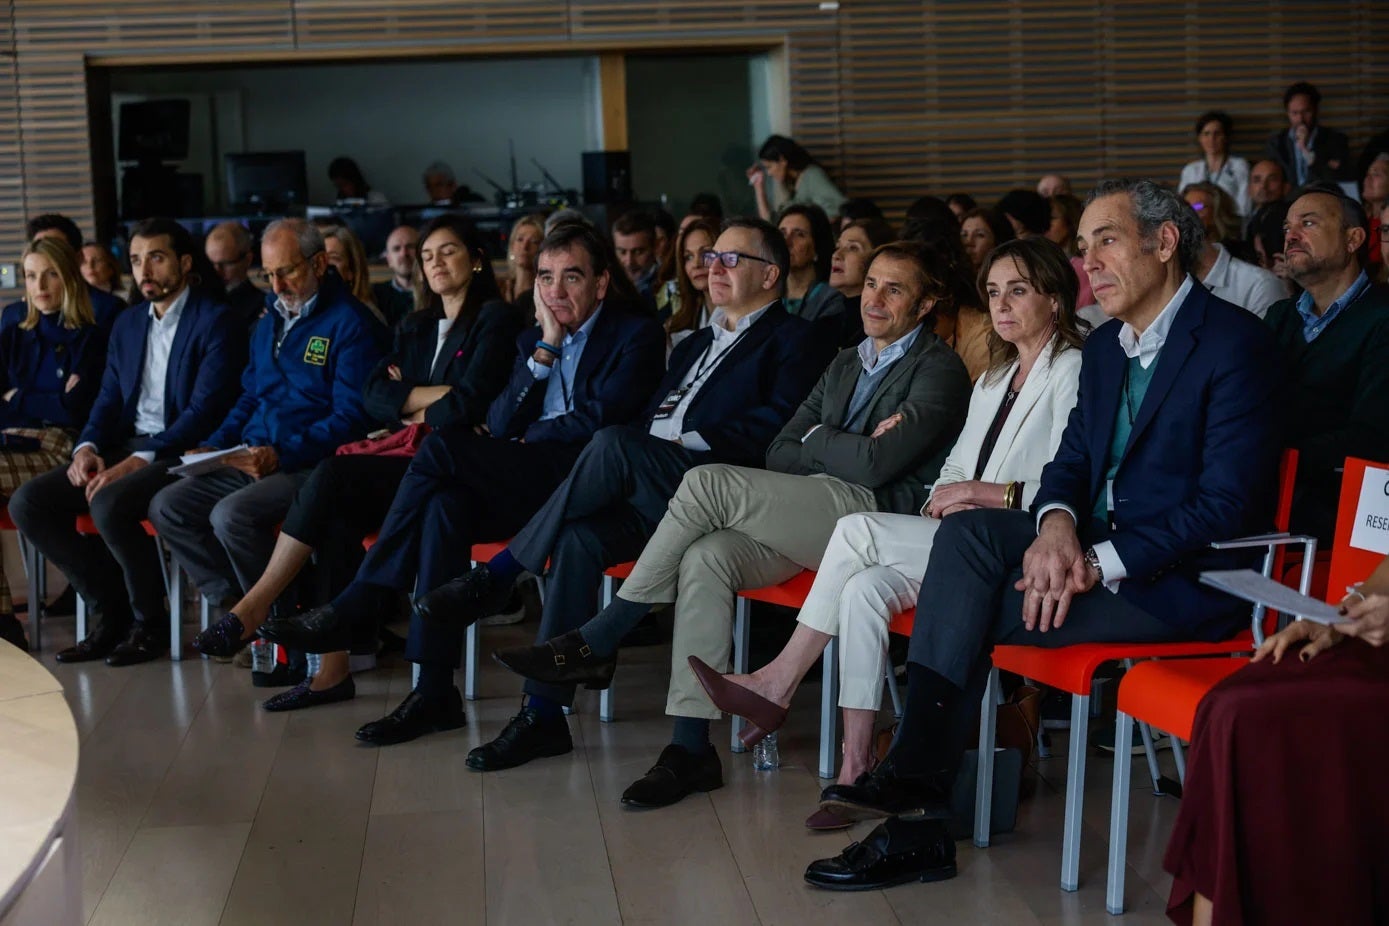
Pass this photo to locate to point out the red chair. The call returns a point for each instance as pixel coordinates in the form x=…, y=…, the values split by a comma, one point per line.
x=481, y=553
x=1165, y=695
x=1072, y=668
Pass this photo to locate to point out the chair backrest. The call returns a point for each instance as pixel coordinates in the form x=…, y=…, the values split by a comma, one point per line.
x=1361, y=482
x=1283, y=509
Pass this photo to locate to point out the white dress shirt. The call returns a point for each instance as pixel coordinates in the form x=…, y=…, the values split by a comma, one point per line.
x=445, y=326
x=1244, y=284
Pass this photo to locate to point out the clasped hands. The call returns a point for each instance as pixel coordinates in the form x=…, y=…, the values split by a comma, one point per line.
x=1054, y=571
x=89, y=469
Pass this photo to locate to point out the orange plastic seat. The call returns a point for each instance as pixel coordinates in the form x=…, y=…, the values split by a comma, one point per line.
x=86, y=526
x=1165, y=694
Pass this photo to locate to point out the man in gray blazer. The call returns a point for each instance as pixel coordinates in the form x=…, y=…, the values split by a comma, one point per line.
x=871, y=437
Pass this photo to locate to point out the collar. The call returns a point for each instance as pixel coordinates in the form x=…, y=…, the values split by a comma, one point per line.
x=303, y=312
x=1146, y=346
x=875, y=360
x=1311, y=136
x=398, y=288
x=172, y=313
x=722, y=334
x=585, y=329
x=1220, y=269
x=1315, y=324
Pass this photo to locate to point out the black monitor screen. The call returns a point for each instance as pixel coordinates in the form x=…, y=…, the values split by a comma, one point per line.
x=269, y=179
x=154, y=130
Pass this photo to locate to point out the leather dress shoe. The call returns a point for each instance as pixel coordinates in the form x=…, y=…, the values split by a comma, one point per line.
x=88, y=650
x=12, y=632
x=884, y=793
x=676, y=774
x=565, y=660
x=526, y=736
x=896, y=852
x=825, y=821
x=764, y=715
x=322, y=630
x=302, y=696
x=416, y=716
x=140, y=646
x=223, y=639
x=461, y=601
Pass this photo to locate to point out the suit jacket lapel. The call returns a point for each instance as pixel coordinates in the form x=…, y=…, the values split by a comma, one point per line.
x=1032, y=390
x=1181, y=341
x=1110, y=368
x=453, y=343
x=182, y=336
x=758, y=332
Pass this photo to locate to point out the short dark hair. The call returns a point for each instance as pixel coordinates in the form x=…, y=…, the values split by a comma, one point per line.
x=851, y=210
x=1029, y=207
x=935, y=272
x=347, y=169
x=665, y=222
x=1153, y=205
x=1301, y=88
x=821, y=234
x=50, y=221
x=707, y=206
x=774, y=246
x=1215, y=115
x=1002, y=231
x=635, y=222
x=179, y=238
x=601, y=257
x=1352, y=214
x=877, y=231
x=963, y=200
x=781, y=148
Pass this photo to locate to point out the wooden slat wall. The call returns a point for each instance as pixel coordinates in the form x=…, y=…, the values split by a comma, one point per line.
x=896, y=97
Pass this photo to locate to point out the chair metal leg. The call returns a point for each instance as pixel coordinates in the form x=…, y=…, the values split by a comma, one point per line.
x=32, y=564
x=1075, y=791
x=175, y=578
x=605, y=699
x=984, y=783
x=740, y=663
x=204, y=611
x=471, y=644
x=1119, y=816
x=1179, y=757
x=894, y=692
x=81, y=629
x=829, y=710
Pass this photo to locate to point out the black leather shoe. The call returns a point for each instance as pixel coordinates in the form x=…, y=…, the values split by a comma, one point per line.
x=88, y=650
x=302, y=696
x=525, y=737
x=140, y=646
x=883, y=793
x=461, y=601
x=415, y=717
x=223, y=640
x=565, y=660
x=322, y=630
x=897, y=851
x=675, y=774
x=12, y=632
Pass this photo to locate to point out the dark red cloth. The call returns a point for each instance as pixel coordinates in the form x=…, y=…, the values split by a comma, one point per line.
x=1285, y=814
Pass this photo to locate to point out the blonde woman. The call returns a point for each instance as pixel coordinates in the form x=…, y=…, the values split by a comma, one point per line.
x=349, y=258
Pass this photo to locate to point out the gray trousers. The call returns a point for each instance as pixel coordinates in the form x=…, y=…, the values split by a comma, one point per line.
x=220, y=527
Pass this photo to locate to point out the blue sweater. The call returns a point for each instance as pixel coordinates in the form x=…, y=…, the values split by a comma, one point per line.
x=37, y=365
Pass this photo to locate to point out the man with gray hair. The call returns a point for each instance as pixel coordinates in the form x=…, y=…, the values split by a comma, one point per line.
x=1172, y=445
x=442, y=186
x=228, y=247
x=301, y=399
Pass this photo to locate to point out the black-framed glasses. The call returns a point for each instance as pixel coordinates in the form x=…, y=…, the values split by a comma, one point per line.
x=728, y=258
x=268, y=277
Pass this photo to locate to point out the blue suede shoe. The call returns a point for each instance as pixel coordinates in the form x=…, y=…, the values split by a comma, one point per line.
x=302, y=696
x=223, y=639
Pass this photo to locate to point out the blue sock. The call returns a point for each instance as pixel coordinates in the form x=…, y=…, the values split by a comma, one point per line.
x=607, y=628
x=504, y=567
x=692, y=734
x=544, y=707
x=436, y=680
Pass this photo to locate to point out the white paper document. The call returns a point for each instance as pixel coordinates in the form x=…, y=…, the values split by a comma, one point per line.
x=1254, y=586
x=195, y=464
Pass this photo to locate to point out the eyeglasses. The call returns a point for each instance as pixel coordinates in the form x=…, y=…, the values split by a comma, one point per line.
x=269, y=277
x=728, y=258
x=229, y=264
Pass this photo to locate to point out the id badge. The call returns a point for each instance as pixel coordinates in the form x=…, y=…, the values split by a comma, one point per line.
x=669, y=404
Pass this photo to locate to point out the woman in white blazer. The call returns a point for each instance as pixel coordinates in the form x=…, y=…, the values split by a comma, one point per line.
x=873, y=566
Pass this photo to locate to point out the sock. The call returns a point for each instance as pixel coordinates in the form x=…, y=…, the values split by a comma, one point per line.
x=436, y=680
x=691, y=734
x=504, y=567
x=544, y=707
x=610, y=625
x=926, y=712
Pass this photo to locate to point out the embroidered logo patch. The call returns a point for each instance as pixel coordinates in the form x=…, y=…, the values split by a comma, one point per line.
x=317, y=351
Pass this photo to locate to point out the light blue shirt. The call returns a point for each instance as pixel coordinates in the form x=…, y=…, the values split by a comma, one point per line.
x=1312, y=324
x=875, y=364
x=559, y=390
x=1299, y=165
x=288, y=319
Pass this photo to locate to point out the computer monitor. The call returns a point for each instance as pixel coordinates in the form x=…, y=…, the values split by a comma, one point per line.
x=154, y=130
x=266, y=179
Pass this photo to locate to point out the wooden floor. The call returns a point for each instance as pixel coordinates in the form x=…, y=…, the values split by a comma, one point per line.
x=195, y=806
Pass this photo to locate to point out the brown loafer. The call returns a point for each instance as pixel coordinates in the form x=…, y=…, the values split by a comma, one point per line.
x=764, y=716
x=824, y=821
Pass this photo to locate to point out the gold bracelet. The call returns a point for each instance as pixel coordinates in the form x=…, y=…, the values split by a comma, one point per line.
x=1008, y=494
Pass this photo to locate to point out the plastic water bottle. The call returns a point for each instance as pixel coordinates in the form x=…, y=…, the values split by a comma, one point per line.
x=263, y=656
x=765, y=756
x=314, y=660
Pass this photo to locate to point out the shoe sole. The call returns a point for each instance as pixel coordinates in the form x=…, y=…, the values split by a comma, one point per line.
x=480, y=766
x=435, y=728
x=943, y=873
x=304, y=705
x=858, y=812
x=697, y=789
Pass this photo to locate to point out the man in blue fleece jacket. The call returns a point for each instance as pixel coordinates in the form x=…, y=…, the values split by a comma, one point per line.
x=301, y=398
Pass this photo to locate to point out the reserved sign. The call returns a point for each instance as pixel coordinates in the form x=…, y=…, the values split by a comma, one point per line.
x=1371, y=530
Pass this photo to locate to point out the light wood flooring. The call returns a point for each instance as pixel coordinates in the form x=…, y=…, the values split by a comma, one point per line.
x=196, y=807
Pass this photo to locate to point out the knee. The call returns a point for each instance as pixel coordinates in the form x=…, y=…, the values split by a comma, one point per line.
x=870, y=598
x=229, y=518
x=708, y=558
x=22, y=507
x=576, y=543
x=106, y=509
x=165, y=510
x=699, y=486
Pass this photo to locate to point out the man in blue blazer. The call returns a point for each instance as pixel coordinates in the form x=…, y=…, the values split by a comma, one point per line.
x=172, y=370
x=1172, y=445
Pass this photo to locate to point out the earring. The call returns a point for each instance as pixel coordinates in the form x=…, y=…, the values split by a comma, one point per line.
x=477, y=269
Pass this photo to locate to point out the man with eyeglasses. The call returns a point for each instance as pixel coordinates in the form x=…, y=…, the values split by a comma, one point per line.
x=228, y=247
x=301, y=399
x=729, y=389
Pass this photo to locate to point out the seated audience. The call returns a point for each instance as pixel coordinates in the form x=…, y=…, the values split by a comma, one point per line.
x=396, y=297
x=982, y=230
x=1264, y=236
x=961, y=203
x=1216, y=164
x=870, y=570
x=173, y=369
x=228, y=247
x=870, y=437
x=442, y=188
x=99, y=267
x=729, y=389
x=852, y=210
x=1267, y=184
x=796, y=179
x=347, y=256
x=1307, y=150
x=691, y=309
x=634, y=241
x=706, y=206
x=1053, y=184
x=1334, y=341
x=1374, y=196
x=1030, y=214
x=301, y=398
x=351, y=185
x=1065, y=220
x=1216, y=210
x=931, y=220
x=522, y=248
x=848, y=268
x=958, y=321
x=590, y=362
x=1236, y=281
x=450, y=361
x=50, y=370
x=810, y=240
x=105, y=306
x=1123, y=520
x=666, y=230
x=1272, y=731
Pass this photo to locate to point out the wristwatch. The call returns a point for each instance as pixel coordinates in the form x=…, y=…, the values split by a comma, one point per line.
x=1093, y=560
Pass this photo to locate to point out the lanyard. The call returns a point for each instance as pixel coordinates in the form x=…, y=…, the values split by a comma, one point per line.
x=707, y=363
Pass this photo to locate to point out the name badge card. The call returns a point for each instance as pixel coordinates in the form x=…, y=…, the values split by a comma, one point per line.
x=1371, y=530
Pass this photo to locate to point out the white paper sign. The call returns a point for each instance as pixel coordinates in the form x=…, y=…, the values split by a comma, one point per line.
x=1255, y=587
x=1371, y=530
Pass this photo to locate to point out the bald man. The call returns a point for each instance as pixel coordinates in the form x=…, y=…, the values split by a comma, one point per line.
x=228, y=246
x=396, y=297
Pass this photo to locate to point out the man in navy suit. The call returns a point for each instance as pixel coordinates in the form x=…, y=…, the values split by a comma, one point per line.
x=1172, y=445
x=591, y=362
x=172, y=370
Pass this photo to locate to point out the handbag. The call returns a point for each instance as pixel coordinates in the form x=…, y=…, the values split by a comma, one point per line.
x=402, y=443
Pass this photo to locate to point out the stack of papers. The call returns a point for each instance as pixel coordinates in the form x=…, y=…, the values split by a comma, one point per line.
x=1258, y=588
x=195, y=464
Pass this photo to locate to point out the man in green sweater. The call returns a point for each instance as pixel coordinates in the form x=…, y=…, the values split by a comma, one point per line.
x=1334, y=340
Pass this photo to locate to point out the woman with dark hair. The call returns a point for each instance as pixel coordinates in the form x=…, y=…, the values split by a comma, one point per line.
x=961, y=322
x=960, y=203
x=871, y=569
x=796, y=178
x=452, y=357
x=982, y=230
x=690, y=308
x=350, y=184
x=849, y=267
x=1065, y=219
x=810, y=239
x=1216, y=164
x=852, y=210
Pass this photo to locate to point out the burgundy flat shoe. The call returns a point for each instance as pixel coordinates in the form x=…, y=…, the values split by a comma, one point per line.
x=824, y=821
x=764, y=716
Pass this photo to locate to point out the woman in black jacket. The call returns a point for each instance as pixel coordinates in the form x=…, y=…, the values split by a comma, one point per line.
x=451, y=358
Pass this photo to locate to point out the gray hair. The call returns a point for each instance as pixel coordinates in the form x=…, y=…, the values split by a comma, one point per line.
x=1155, y=205
x=561, y=216
x=440, y=169
x=240, y=238
x=308, y=235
